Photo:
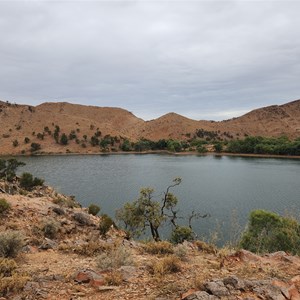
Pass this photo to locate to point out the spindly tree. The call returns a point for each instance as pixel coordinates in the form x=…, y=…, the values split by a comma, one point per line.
x=147, y=212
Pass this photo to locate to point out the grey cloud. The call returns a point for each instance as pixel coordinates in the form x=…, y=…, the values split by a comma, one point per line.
x=206, y=59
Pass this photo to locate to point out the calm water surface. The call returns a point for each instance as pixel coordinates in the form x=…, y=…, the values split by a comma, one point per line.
x=220, y=186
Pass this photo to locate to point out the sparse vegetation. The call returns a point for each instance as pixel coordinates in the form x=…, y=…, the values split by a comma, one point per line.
x=50, y=228
x=64, y=139
x=35, y=147
x=28, y=182
x=8, y=168
x=93, y=209
x=114, y=278
x=90, y=248
x=105, y=224
x=146, y=212
x=181, y=234
x=161, y=248
x=4, y=206
x=7, y=267
x=15, y=143
x=166, y=265
x=117, y=257
x=82, y=218
x=11, y=243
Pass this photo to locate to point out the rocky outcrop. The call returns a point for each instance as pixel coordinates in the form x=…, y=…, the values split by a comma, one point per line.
x=236, y=288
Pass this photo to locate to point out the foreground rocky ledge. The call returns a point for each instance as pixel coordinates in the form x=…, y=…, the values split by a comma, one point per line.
x=66, y=266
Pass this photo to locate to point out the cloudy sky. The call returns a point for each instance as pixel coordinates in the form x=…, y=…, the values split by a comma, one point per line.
x=202, y=59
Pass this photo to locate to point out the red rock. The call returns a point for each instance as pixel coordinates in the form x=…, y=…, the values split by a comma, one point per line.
x=247, y=256
x=186, y=294
x=296, y=279
x=293, y=293
x=82, y=277
x=97, y=282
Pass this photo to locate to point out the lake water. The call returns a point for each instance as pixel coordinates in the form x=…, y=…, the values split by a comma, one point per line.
x=226, y=187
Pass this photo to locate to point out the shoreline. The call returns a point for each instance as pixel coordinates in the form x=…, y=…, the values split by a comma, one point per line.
x=161, y=152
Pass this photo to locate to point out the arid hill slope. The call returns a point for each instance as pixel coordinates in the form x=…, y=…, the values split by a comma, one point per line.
x=20, y=121
x=65, y=255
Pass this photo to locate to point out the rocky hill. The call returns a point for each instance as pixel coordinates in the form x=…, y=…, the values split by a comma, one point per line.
x=62, y=252
x=22, y=125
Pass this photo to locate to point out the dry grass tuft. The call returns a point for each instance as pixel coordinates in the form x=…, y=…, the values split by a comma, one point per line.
x=115, y=258
x=204, y=247
x=166, y=265
x=114, y=278
x=162, y=247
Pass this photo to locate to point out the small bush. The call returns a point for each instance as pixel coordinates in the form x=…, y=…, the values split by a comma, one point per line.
x=205, y=247
x=7, y=266
x=114, y=259
x=114, y=278
x=4, y=206
x=105, y=224
x=162, y=247
x=28, y=182
x=35, y=147
x=11, y=243
x=181, y=251
x=269, y=232
x=82, y=218
x=181, y=234
x=91, y=248
x=166, y=265
x=50, y=229
x=59, y=211
x=93, y=209
x=15, y=143
x=14, y=283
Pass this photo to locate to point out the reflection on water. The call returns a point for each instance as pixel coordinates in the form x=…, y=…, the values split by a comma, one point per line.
x=216, y=184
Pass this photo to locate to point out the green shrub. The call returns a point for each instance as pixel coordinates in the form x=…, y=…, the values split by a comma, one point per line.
x=93, y=209
x=28, y=182
x=105, y=224
x=181, y=234
x=201, y=149
x=35, y=147
x=11, y=243
x=15, y=143
x=4, y=206
x=50, y=229
x=269, y=232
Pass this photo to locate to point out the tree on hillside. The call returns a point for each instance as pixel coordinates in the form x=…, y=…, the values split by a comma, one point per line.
x=56, y=133
x=146, y=212
x=35, y=147
x=63, y=139
x=218, y=147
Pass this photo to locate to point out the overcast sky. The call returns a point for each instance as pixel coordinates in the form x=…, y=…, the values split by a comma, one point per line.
x=202, y=59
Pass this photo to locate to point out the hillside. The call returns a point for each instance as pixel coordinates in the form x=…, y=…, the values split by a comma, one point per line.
x=38, y=124
x=64, y=256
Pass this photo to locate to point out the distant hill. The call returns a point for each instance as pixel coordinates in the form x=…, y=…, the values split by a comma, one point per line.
x=21, y=121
